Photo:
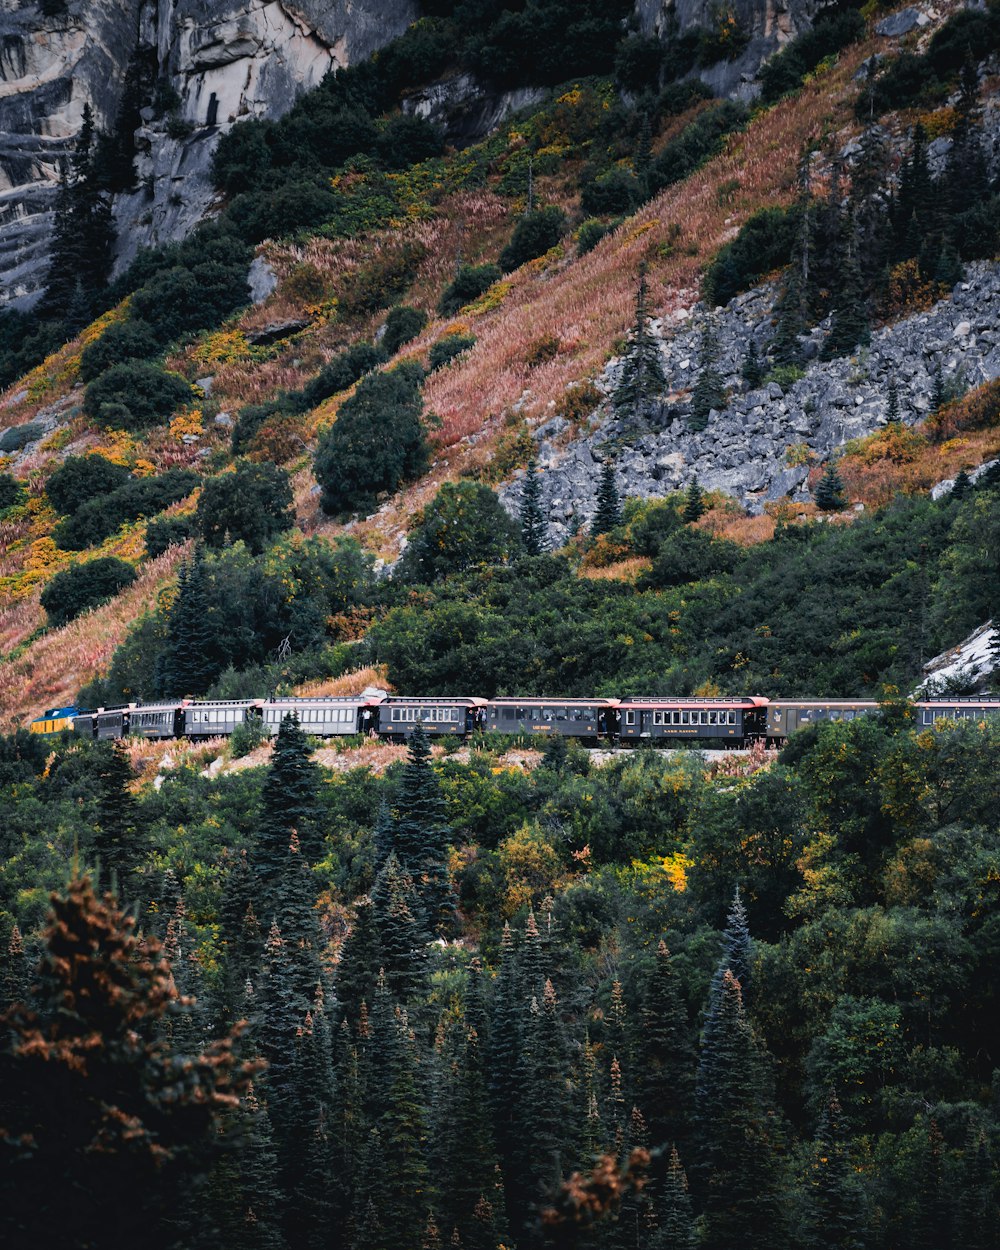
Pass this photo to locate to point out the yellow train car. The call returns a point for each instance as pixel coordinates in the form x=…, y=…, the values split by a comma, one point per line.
x=56, y=720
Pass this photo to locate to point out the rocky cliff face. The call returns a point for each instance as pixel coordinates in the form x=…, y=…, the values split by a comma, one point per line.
x=224, y=59
x=748, y=450
x=765, y=24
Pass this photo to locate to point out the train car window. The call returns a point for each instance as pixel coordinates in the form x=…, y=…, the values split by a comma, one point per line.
x=685, y=718
x=848, y=715
x=928, y=717
x=630, y=718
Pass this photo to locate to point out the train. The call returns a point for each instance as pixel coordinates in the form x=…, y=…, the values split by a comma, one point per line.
x=725, y=721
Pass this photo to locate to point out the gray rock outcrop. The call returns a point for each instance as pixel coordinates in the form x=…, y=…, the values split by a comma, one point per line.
x=761, y=445
x=226, y=61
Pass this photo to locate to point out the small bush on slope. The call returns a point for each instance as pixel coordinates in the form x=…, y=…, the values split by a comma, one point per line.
x=135, y=395
x=84, y=586
x=376, y=443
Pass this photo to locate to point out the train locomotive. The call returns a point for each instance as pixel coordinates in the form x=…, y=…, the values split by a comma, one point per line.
x=729, y=721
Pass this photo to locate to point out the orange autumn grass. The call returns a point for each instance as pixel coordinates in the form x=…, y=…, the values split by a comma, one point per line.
x=51, y=671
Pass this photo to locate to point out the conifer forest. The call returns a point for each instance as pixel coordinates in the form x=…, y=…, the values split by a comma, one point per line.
x=500, y=356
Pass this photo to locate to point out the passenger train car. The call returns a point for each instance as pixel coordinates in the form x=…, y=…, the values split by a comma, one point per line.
x=725, y=721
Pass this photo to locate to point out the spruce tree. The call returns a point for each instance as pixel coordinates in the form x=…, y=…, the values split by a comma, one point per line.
x=15, y=983
x=114, y=816
x=533, y=529
x=830, y=491
x=676, y=1229
x=666, y=1069
x=609, y=511
x=835, y=1213
x=694, y=503
x=708, y=392
x=422, y=835
x=752, y=368
x=189, y=663
x=261, y=1201
x=738, y=1133
x=978, y=1212
x=850, y=325
x=642, y=377
x=939, y=394
x=360, y=960
x=543, y=1104
x=962, y=485
x=892, y=404
x=505, y=1044
x=791, y=323
x=401, y=935
x=288, y=801
x=83, y=235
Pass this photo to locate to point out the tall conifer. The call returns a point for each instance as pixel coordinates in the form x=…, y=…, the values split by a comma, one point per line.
x=609, y=510
x=642, y=377
x=533, y=529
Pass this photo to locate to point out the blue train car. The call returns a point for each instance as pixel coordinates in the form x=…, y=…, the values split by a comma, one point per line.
x=56, y=720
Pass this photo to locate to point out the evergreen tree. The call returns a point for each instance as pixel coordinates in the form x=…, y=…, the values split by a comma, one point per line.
x=189, y=663
x=694, y=503
x=99, y=1102
x=835, y=1214
x=785, y=346
x=962, y=485
x=830, y=491
x=260, y=1208
x=978, y=1212
x=642, y=377
x=288, y=801
x=743, y=1189
x=609, y=511
x=666, y=1070
x=15, y=984
x=709, y=392
x=383, y=831
x=892, y=404
x=676, y=1219
x=533, y=529
x=737, y=946
x=241, y=932
x=114, y=816
x=543, y=1103
x=401, y=936
x=422, y=835
x=83, y=235
x=752, y=369
x=932, y=1222
x=505, y=1051
x=851, y=323
x=360, y=960
x=966, y=176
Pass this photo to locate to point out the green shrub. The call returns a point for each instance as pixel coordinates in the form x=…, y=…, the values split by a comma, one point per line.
x=282, y=210
x=406, y=140
x=446, y=349
x=84, y=586
x=12, y=492
x=468, y=284
x=401, y=326
x=615, y=191
x=464, y=526
x=251, y=505
x=695, y=144
x=135, y=395
x=253, y=416
x=167, y=531
x=533, y=236
x=82, y=478
x=247, y=736
x=376, y=443
x=591, y=233
x=193, y=296
x=341, y=372
x=125, y=340
x=691, y=555
x=764, y=244
x=101, y=516
x=19, y=436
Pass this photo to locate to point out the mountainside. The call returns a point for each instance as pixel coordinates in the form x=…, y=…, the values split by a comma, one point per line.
x=169, y=76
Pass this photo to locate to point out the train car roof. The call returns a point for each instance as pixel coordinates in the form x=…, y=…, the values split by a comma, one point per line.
x=55, y=713
x=686, y=701
x=964, y=700
x=298, y=700
x=423, y=699
x=823, y=702
x=535, y=700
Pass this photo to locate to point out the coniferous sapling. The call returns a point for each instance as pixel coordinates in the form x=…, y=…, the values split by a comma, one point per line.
x=531, y=518
x=830, y=491
x=694, y=503
x=642, y=377
x=609, y=511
